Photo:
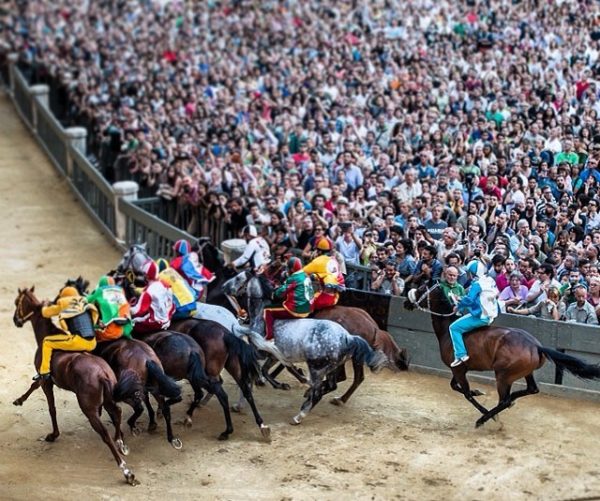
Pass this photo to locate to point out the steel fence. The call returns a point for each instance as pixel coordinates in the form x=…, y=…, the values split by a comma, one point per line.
x=51, y=135
x=94, y=191
x=22, y=98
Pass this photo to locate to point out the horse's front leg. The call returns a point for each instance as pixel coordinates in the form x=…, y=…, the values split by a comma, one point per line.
x=272, y=381
x=359, y=377
x=315, y=393
x=34, y=386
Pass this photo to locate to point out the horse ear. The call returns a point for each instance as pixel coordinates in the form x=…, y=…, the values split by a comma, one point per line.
x=144, y=245
x=32, y=288
x=19, y=290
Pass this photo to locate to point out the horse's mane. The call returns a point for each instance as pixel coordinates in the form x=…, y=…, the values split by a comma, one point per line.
x=265, y=285
x=80, y=283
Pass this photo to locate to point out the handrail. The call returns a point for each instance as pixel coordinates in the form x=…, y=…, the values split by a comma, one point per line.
x=84, y=164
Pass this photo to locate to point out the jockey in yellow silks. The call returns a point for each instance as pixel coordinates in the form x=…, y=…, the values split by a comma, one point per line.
x=327, y=270
x=184, y=295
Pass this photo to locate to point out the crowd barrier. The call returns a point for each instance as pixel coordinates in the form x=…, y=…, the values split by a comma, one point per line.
x=126, y=220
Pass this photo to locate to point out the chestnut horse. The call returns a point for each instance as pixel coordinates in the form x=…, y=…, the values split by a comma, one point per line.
x=511, y=353
x=89, y=377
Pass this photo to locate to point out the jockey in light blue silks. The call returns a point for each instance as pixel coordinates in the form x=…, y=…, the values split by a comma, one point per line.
x=481, y=306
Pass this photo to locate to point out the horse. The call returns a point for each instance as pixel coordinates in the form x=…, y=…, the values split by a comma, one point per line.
x=139, y=371
x=183, y=358
x=132, y=264
x=324, y=345
x=224, y=350
x=89, y=377
x=511, y=353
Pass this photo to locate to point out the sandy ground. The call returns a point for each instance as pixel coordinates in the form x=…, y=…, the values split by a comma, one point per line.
x=402, y=436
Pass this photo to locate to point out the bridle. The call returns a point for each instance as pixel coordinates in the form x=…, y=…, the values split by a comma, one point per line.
x=427, y=294
x=20, y=316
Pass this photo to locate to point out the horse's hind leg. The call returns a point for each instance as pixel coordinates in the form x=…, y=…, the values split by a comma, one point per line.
x=138, y=410
x=359, y=377
x=216, y=388
x=166, y=407
x=48, y=388
x=151, y=413
x=271, y=380
x=532, y=389
x=34, y=386
x=114, y=411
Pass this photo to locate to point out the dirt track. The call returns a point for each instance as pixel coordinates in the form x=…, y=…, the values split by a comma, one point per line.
x=402, y=436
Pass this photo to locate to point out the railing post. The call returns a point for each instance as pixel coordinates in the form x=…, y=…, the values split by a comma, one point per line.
x=77, y=138
x=41, y=94
x=13, y=58
x=127, y=190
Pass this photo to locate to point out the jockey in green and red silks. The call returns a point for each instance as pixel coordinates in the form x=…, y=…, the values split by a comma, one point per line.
x=297, y=294
x=188, y=266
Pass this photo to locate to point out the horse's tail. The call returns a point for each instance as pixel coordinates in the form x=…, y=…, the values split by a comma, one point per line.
x=574, y=365
x=196, y=370
x=167, y=386
x=362, y=353
x=129, y=387
x=246, y=354
x=260, y=343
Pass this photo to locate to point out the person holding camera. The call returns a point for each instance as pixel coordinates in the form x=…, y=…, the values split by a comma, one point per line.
x=388, y=280
x=348, y=244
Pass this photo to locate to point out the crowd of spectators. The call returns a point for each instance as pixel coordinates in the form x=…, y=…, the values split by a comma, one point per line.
x=416, y=134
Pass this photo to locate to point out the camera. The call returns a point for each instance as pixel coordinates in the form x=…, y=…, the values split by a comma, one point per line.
x=345, y=226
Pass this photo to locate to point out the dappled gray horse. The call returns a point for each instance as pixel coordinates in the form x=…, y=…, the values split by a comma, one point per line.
x=322, y=344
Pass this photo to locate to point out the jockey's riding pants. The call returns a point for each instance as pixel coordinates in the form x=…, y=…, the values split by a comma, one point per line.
x=272, y=314
x=459, y=327
x=324, y=300
x=64, y=342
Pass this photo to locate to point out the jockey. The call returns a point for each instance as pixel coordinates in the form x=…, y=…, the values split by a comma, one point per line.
x=297, y=294
x=188, y=266
x=481, y=302
x=76, y=318
x=155, y=307
x=327, y=270
x=257, y=253
x=184, y=295
x=115, y=316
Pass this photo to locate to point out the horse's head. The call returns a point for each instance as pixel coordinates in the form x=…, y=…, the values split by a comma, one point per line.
x=236, y=286
x=430, y=299
x=26, y=304
x=134, y=258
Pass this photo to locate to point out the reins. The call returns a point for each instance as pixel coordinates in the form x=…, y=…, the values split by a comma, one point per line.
x=427, y=294
x=23, y=318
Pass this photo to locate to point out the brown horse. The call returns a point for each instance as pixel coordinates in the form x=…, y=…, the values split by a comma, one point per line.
x=137, y=366
x=89, y=377
x=183, y=358
x=223, y=350
x=511, y=353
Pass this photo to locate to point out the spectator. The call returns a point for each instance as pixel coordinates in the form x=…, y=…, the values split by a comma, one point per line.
x=515, y=293
x=581, y=311
x=388, y=280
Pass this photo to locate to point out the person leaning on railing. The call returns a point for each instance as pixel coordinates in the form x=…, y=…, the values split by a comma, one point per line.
x=549, y=308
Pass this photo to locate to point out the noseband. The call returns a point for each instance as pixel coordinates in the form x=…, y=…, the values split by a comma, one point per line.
x=23, y=318
x=427, y=294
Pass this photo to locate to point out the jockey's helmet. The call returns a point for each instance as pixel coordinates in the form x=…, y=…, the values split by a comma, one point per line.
x=106, y=281
x=68, y=292
x=162, y=264
x=182, y=247
x=476, y=268
x=151, y=270
x=324, y=244
x=294, y=264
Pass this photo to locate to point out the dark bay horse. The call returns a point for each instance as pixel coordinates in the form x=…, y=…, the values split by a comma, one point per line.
x=511, y=353
x=89, y=377
x=183, y=358
x=223, y=350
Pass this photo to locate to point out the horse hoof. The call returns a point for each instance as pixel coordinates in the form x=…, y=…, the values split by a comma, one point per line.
x=337, y=401
x=135, y=431
x=18, y=402
x=152, y=427
x=130, y=477
x=479, y=423
x=236, y=408
x=477, y=393
x=285, y=387
x=187, y=422
x=51, y=437
x=296, y=420
x=123, y=448
x=177, y=444
x=266, y=431
x=224, y=436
